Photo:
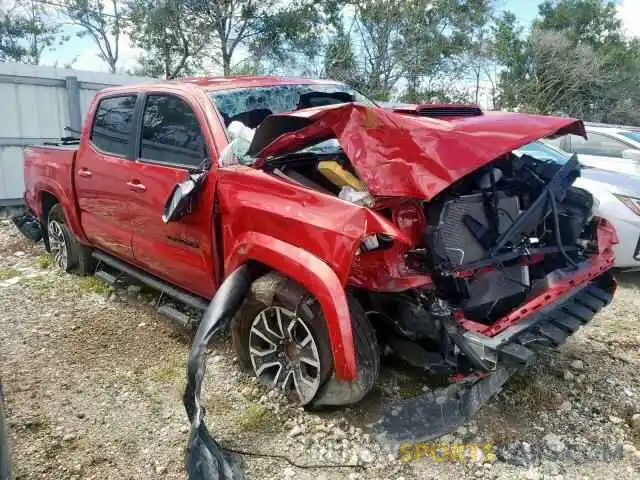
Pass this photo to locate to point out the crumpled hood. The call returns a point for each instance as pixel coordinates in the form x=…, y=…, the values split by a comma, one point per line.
x=406, y=155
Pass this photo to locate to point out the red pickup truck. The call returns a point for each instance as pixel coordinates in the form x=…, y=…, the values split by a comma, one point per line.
x=414, y=229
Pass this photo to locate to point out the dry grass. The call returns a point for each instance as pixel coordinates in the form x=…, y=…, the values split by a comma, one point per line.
x=257, y=418
x=8, y=272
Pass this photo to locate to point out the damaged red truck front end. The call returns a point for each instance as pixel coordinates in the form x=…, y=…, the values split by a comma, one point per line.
x=458, y=246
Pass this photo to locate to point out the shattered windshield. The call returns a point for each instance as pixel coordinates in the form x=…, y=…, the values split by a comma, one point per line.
x=251, y=105
x=243, y=109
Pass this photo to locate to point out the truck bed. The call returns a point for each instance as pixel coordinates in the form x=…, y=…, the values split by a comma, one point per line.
x=48, y=168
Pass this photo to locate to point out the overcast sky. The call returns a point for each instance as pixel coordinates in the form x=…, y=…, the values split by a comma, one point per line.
x=85, y=53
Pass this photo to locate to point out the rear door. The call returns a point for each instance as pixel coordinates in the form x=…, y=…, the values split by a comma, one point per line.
x=102, y=169
x=171, y=141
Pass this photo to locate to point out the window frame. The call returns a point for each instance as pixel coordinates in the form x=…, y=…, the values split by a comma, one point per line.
x=134, y=120
x=140, y=123
x=599, y=134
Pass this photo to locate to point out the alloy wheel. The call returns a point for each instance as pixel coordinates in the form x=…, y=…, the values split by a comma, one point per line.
x=58, y=245
x=284, y=353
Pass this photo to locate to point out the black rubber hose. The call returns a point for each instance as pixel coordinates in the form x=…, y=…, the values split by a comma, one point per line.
x=556, y=228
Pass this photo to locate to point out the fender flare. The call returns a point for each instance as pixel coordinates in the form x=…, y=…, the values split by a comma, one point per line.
x=317, y=277
x=68, y=208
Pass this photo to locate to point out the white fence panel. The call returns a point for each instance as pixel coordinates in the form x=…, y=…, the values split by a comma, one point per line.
x=36, y=104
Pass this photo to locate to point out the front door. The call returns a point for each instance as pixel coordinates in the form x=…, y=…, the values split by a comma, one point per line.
x=171, y=142
x=102, y=170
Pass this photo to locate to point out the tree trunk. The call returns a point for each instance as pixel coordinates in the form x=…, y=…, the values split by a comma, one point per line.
x=226, y=63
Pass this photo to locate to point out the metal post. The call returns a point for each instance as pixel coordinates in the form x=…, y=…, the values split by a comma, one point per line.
x=73, y=102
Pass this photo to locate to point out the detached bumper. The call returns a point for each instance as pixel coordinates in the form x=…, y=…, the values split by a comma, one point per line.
x=429, y=416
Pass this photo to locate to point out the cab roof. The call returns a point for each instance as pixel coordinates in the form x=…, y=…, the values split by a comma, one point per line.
x=248, y=81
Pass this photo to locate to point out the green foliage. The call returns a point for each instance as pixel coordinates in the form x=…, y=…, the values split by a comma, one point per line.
x=6, y=273
x=576, y=61
x=173, y=38
x=93, y=285
x=45, y=260
x=103, y=22
x=257, y=418
x=26, y=30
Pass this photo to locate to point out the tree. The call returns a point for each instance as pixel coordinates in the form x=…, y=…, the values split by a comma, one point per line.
x=26, y=30
x=173, y=39
x=339, y=59
x=594, y=22
x=262, y=28
x=102, y=21
x=419, y=41
x=575, y=62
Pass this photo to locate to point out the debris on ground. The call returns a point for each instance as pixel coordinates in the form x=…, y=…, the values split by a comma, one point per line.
x=93, y=382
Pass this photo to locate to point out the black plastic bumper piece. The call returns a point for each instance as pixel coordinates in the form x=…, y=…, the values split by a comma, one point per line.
x=29, y=226
x=428, y=416
x=554, y=327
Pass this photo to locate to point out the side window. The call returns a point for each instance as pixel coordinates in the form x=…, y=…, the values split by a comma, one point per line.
x=170, y=132
x=597, y=144
x=113, y=125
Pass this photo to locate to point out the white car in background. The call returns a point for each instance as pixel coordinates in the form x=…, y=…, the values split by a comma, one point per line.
x=616, y=198
x=611, y=148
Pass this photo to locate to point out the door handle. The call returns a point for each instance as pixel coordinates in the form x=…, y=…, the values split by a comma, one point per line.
x=83, y=172
x=136, y=186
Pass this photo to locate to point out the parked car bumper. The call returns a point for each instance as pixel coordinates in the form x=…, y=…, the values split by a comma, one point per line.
x=627, y=252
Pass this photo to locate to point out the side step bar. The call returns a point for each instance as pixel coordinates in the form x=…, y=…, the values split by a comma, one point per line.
x=176, y=293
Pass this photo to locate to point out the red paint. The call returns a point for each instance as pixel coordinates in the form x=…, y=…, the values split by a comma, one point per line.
x=311, y=237
x=427, y=154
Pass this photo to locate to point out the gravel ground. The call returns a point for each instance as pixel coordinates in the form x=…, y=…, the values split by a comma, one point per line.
x=94, y=377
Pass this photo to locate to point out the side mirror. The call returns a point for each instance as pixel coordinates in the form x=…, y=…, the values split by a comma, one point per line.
x=631, y=154
x=180, y=201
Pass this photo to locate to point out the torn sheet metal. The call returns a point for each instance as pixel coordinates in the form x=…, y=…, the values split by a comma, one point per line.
x=205, y=459
x=426, y=153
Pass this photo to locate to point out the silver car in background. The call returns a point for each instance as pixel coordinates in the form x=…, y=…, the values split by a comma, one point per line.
x=616, y=198
x=608, y=147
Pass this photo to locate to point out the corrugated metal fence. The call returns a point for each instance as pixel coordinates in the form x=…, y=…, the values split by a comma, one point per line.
x=36, y=104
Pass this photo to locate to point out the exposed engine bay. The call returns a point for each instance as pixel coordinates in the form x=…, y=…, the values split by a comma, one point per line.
x=489, y=243
x=469, y=228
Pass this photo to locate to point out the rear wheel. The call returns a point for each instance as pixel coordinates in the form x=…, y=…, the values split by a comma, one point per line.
x=69, y=254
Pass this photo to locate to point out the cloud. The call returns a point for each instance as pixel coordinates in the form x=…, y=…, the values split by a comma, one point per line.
x=629, y=13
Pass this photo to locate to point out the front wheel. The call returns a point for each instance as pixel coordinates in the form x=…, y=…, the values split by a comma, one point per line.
x=279, y=334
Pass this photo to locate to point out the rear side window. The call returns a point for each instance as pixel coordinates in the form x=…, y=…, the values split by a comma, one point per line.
x=113, y=125
x=170, y=132
x=597, y=144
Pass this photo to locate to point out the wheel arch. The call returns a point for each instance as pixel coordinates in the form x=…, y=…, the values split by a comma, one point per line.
x=313, y=274
x=50, y=195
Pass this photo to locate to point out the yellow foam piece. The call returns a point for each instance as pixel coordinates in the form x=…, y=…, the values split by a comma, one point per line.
x=337, y=175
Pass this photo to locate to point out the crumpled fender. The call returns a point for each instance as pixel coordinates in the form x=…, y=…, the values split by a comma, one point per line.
x=317, y=277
